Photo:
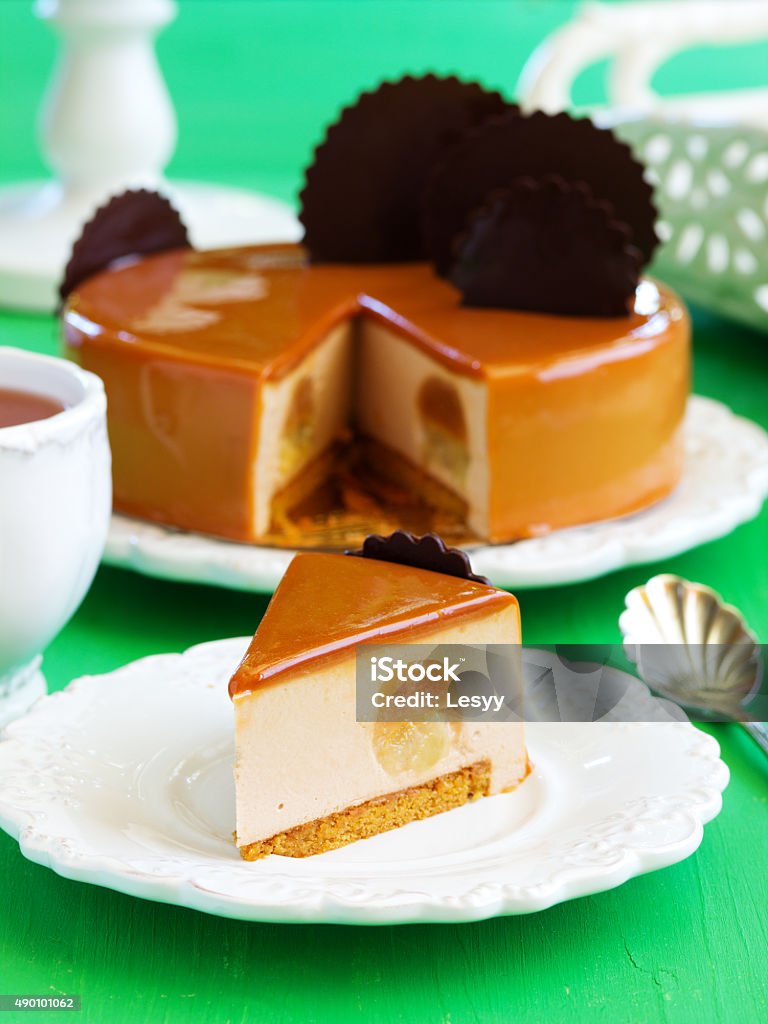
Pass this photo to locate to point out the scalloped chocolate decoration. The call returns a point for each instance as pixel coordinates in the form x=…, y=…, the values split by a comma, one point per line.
x=362, y=193
x=517, y=145
x=547, y=245
x=427, y=552
x=134, y=223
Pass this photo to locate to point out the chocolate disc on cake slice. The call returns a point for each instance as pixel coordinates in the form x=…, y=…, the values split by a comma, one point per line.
x=428, y=552
x=549, y=246
x=360, y=203
x=309, y=777
x=506, y=148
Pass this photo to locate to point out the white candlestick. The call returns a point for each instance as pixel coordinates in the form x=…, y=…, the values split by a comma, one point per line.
x=108, y=117
x=107, y=124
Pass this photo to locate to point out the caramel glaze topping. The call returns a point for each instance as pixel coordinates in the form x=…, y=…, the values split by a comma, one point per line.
x=264, y=307
x=326, y=604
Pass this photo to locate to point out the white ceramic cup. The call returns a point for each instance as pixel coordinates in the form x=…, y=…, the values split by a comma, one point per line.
x=55, y=502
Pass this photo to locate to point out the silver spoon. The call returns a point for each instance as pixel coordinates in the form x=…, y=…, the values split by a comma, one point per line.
x=691, y=647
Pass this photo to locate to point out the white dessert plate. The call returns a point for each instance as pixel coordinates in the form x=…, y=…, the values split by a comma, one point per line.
x=125, y=780
x=725, y=482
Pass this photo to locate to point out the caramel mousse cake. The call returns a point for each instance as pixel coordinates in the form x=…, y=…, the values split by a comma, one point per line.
x=310, y=777
x=466, y=319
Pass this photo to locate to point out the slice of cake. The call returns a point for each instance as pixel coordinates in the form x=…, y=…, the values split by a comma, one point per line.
x=309, y=776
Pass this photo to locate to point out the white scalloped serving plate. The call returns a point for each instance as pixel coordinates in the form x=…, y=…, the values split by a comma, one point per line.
x=725, y=482
x=125, y=780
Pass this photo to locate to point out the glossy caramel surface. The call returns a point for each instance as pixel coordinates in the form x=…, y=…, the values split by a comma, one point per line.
x=325, y=604
x=263, y=308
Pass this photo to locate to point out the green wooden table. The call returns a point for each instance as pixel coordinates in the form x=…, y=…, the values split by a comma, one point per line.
x=254, y=82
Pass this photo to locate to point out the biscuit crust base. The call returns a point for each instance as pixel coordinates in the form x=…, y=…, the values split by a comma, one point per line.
x=378, y=815
x=357, y=487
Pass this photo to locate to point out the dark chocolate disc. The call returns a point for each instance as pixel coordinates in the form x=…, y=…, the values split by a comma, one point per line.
x=134, y=223
x=516, y=145
x=427, y=552
x=361, y=199
x=547, y=245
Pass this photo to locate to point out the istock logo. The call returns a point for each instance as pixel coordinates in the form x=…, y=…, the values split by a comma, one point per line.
x=437, y=683
x=388, y=669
